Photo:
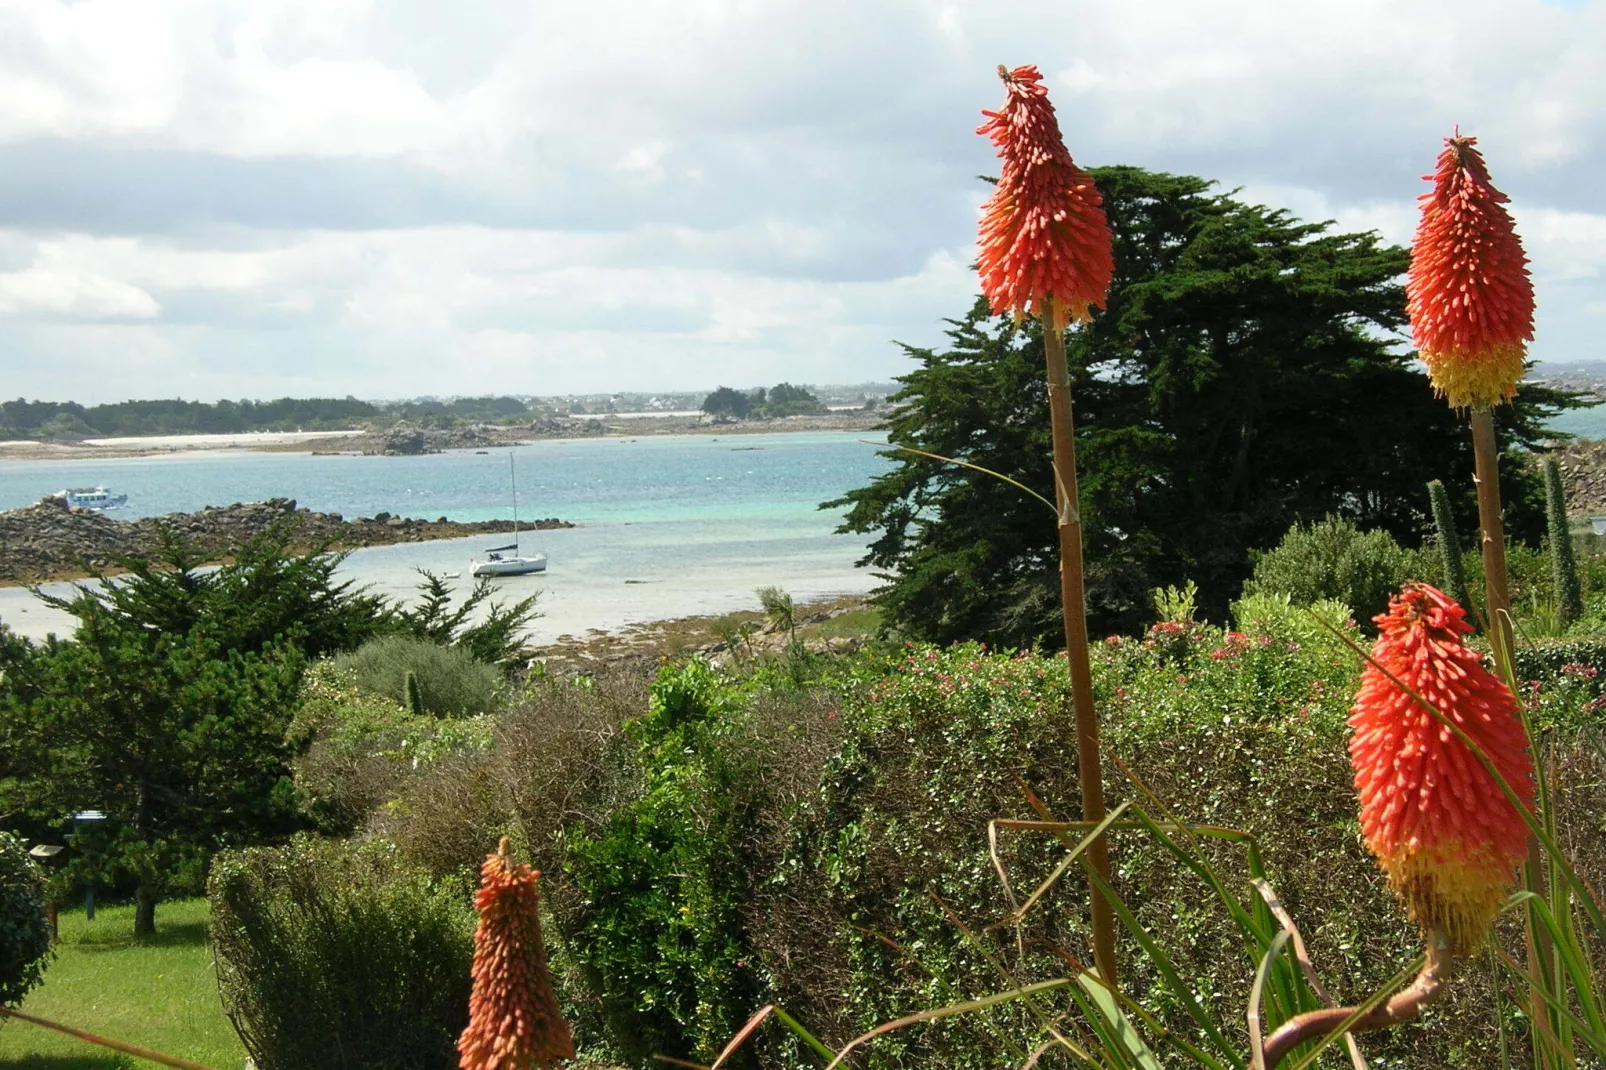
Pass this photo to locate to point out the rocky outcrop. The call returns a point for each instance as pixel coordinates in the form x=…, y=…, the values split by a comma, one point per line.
x=1583, y=476
x=52, y=541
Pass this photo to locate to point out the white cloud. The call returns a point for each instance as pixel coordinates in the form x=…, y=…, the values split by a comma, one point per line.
x=290, y=193
x=55, y=293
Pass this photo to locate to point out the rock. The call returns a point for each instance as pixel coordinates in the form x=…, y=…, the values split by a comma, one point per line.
x=404, y=442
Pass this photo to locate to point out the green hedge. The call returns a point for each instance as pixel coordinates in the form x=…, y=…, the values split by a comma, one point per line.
x=336, y=956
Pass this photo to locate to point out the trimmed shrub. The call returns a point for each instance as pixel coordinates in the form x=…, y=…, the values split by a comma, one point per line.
x=336, y=956
x=24, y=932
x=450, y=681
x=1333, y=559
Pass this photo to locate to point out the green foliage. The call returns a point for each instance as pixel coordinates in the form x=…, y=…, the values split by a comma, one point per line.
x=664, y=883
x=1333, y=560
x=497, y=638
x=781, y=611
x=355, y=748
x=22, y=419
x=1274, y=616
x=502, y=410
x=1176, y=605
x=736, y=634
x=1567, y=591
x=336, y=956
x=168, y=709
x=24, y=933
x=783, y=399
x=892, y=854
x=179, y=738
x=1242, y=380
x=727, y=404
x=1452, y=574
x=413, y=694
x=448, y=679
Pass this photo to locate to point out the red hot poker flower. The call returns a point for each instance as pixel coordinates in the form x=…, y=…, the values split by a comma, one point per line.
x=1469, y=296
x=1043, y=233
x=1445, y=834
x=514, y=1022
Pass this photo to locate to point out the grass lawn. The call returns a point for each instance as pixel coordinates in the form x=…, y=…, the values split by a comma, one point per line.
x=157, y=992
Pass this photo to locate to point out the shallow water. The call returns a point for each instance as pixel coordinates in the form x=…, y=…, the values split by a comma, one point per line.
x=670, y=525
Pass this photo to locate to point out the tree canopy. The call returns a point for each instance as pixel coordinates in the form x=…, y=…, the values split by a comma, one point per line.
x=1246, y=375
x=782, y=399
x=168, y=708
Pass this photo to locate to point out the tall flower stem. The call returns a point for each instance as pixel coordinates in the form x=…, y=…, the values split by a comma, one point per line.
x=1497, y=599
x=1088, y=757
x=1486, y=458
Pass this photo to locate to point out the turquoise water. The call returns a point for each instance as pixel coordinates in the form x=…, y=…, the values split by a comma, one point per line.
x=1585, y=423
x=614, y=480
x=669, y=525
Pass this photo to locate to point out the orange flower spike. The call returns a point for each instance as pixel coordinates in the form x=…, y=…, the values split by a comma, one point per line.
x=1445, y=834
x=1043, y=233
x=1469, y=296
x=514, y=1022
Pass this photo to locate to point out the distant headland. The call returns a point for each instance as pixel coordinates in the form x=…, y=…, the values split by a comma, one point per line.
x=35, y=430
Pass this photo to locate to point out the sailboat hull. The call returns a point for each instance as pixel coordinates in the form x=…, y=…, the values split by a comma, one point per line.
x=509, y=566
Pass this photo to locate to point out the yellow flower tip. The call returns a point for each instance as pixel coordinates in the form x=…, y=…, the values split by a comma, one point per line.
x=1478, y=380
x=1457, y=889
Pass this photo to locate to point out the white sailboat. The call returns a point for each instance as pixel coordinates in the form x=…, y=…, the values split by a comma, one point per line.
x=498, y=562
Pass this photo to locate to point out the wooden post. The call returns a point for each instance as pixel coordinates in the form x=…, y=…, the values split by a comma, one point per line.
x=1088, y=757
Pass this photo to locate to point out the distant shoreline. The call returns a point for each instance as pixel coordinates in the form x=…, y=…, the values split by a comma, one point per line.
x=374, y=442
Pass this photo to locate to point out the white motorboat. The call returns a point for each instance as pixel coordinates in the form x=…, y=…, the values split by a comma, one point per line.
x=93, y=498
x=498, y=561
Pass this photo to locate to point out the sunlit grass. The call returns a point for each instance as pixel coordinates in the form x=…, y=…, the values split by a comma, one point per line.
x=157, y=992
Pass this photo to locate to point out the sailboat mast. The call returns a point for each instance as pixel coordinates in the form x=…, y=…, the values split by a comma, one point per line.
x=513, y=478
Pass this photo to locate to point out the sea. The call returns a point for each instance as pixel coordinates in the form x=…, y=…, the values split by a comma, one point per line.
x=1584, y=423
x=667, y=526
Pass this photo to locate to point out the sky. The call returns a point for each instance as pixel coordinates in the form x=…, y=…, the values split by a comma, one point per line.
x=258, y=198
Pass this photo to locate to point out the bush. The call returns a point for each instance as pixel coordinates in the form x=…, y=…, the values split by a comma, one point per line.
x=891, y=854
x=664, y=882
x=451, y=682
x=1334, y=560
x=334, y=956
x=354, y=749
x=24, y=932
x=1274, y=616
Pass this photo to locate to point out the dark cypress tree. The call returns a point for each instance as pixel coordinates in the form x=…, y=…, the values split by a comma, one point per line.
x=1244, y=377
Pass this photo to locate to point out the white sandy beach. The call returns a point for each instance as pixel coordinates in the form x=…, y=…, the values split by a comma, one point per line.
x=244, y=440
